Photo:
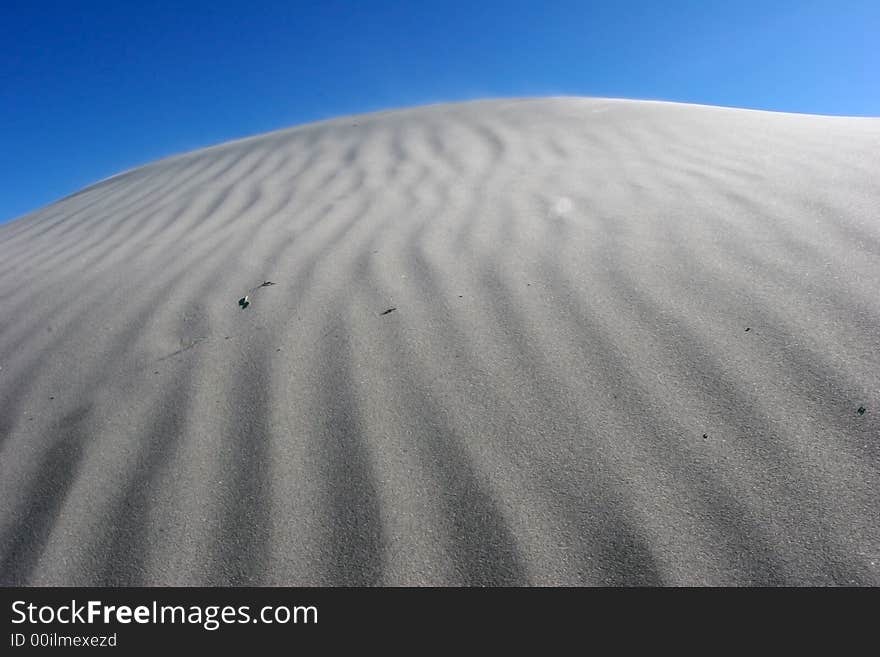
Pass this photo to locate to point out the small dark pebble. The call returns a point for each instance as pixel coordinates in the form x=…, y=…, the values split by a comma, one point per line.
x=51, y=398
x=748, y=329
x=226, y=338
x=156, y=372
x=705, y=435
x=390, y=310
x=862, y=410
x=277, y=350
x=461, y=296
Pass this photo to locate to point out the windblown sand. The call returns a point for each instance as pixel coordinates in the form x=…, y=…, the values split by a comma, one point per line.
x=629, y=346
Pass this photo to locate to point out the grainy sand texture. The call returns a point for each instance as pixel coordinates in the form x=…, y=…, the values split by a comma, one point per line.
x=632, y=343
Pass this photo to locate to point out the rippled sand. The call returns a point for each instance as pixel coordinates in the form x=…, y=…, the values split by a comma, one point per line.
x=629, y=345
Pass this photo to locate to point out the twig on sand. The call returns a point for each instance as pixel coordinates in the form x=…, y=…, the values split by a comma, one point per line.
x=245, y=301
x=186, y=347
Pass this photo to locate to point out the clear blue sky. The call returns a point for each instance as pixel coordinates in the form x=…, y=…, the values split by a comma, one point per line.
x=90, y=88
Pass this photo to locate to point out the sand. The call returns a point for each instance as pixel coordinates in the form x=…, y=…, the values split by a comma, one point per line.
x=629, y=345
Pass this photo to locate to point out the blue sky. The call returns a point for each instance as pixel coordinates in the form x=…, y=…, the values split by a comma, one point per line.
x=89, y=88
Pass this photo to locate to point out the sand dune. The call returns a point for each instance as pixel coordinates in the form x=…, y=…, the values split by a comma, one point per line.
x=629, y=346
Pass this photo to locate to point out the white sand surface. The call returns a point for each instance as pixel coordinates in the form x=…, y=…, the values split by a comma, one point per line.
x=629, y=345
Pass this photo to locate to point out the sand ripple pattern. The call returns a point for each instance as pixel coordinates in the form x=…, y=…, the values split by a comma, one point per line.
x=629, y=346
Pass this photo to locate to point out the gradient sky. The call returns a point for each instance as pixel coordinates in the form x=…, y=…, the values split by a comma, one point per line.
x=88, y=89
